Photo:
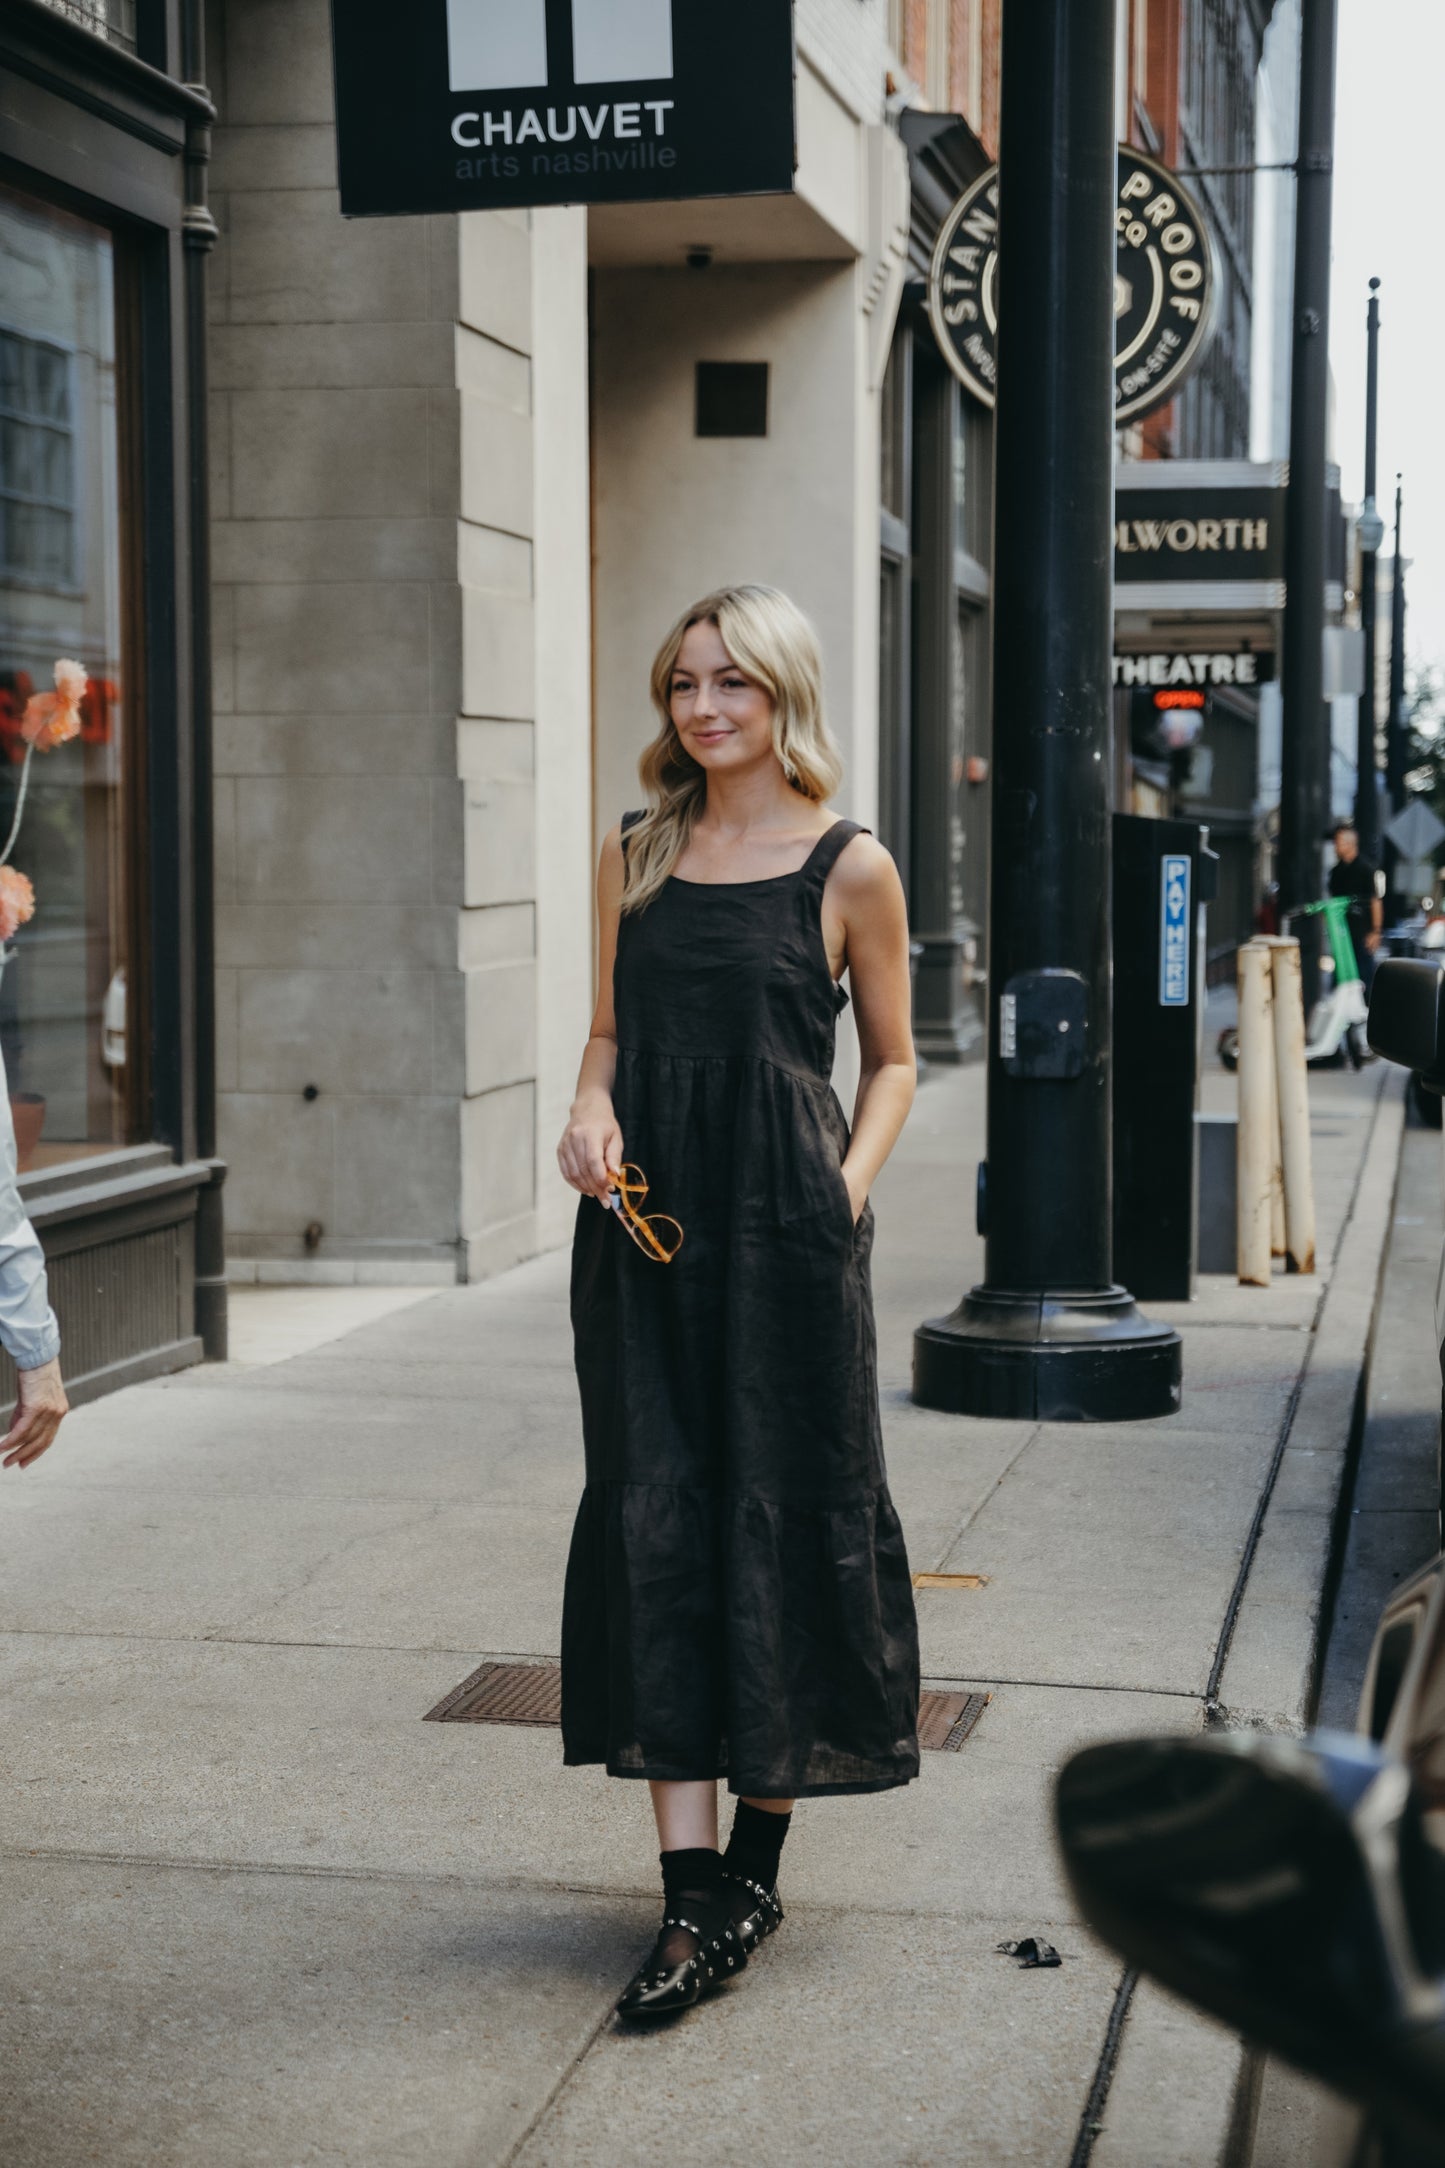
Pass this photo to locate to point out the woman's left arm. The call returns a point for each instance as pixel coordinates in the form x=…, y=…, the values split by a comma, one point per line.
x=875, y=916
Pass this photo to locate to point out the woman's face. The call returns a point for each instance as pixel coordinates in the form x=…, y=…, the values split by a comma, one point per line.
x=724, y=719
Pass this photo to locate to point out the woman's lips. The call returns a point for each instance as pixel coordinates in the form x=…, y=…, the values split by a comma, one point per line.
x=711, y=737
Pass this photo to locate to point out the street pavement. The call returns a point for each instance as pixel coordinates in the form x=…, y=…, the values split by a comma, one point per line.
x=259, y=1912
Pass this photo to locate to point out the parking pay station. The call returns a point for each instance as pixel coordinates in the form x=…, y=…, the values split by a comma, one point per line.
x=1164, y=875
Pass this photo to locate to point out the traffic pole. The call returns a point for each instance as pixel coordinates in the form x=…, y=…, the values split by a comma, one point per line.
x=1371, y=532
x=1396, y=751
x=1048, y=1334
x=1304, y=786
x=1396, y=760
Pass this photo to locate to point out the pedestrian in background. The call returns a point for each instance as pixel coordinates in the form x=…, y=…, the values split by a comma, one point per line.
x=738, y=1599
x=28, y=1331
x=1353, y=876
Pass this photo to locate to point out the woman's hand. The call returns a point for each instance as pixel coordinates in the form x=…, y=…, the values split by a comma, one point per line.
x=591, y=1143
x=857, y=1202
x=38, y=1413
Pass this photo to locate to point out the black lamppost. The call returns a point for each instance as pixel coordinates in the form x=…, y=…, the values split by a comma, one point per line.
x=1370, y=529
x=1304, y=782
x=1048, y=1334
x=1396, y=751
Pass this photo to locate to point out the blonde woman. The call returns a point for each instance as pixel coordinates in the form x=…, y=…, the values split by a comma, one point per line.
x=738, y=1601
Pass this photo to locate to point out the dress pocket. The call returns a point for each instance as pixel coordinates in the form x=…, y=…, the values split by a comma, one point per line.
x=845, y=1204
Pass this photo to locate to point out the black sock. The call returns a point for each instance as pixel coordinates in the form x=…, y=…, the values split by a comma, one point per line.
x=756, y=1844
x=692, y=1889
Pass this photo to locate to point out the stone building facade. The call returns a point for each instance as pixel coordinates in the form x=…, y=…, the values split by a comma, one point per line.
x=400, y=649
x=457, y=495
x=400, y=510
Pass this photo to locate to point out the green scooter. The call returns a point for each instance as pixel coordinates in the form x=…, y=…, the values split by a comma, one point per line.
x=1337, y=1021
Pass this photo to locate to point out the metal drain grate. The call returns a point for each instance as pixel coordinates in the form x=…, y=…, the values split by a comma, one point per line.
x=532, y=1694
x=504, y=1694
x=945, y=1720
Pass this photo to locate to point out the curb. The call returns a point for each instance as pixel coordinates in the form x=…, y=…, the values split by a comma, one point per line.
x=1186, y=2088
x=1270, y=1674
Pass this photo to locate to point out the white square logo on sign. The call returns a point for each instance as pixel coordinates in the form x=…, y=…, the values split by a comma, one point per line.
x=497, y=44
x=502, y=44
x=621, y=41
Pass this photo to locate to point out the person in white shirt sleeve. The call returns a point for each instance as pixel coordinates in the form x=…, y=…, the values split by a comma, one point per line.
x=29, y=1333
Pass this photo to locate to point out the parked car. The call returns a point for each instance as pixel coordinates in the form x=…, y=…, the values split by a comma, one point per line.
x=1429, y=943
x=1295, y=1888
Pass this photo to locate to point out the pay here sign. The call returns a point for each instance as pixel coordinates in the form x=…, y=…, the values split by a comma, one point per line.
x=471, y=105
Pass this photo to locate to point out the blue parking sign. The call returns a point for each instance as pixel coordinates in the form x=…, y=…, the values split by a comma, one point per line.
x=1174, y=931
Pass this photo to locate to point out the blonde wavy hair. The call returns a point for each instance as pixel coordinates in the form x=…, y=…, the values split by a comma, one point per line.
x=771, y=641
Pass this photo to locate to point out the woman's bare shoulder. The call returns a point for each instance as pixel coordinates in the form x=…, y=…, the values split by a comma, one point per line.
x=865, y=867
x=612, y=861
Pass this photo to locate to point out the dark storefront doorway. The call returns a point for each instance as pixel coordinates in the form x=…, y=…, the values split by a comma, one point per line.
x=935, y=735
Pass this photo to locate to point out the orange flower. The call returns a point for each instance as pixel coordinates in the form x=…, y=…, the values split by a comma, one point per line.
x=17, y=901
x=51, y=718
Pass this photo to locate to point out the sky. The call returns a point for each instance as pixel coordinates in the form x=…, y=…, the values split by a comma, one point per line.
x=1388, y=184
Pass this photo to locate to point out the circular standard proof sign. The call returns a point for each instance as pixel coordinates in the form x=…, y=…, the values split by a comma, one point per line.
x=1163, y=285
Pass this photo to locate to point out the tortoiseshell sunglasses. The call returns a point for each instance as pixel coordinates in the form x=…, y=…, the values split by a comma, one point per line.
x=656, y=1235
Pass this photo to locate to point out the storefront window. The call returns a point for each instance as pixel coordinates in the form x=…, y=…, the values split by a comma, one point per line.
x=67, y=992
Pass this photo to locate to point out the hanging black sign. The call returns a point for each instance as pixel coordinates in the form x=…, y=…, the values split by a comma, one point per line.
x=473, y=105
x=1163, y=285
x=1218, y=533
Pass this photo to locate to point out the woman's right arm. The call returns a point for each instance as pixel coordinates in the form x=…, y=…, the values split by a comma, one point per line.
x=592, y=1140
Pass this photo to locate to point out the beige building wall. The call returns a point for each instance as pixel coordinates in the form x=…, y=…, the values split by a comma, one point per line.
x=677, y=514
x=399, y=436
x=563, y=632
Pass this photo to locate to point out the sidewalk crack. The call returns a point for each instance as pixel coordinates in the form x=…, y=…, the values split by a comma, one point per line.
x=973, y=1513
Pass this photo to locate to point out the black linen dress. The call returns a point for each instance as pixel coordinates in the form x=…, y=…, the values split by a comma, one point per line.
x=738, y=1599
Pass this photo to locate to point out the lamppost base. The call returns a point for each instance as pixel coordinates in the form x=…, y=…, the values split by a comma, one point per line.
x=1086, y=1357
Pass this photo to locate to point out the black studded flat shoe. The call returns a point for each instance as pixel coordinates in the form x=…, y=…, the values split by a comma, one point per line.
x=757, y=1912
x=659, y=1989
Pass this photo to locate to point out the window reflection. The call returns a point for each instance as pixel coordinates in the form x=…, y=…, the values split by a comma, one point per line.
x=64, y=1029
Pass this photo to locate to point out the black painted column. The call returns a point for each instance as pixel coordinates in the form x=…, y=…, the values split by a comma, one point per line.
x=1371, y=533
x=1047, y=1334
x=1305, y=776
x=1397, y=750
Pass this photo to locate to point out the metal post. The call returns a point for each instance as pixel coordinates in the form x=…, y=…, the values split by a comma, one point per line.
x=1304, y=793
x=1047, y=1334
x=1367, y=792
x=1396, y=750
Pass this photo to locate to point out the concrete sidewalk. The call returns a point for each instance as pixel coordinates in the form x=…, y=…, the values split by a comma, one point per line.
x=259, y=1912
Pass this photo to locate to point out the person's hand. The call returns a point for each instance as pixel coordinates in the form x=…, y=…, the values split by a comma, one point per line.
x=591, y=1143
x=1372, y=940
x=39, y=1411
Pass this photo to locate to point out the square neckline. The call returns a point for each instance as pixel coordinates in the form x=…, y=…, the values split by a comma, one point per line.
x=769, y=880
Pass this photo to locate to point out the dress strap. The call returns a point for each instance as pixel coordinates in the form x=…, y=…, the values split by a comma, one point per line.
x=630, y=820
x=820, y=860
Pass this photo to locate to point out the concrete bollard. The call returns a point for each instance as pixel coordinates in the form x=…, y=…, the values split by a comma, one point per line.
x=1256, y=1112
x=1292, y=1086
